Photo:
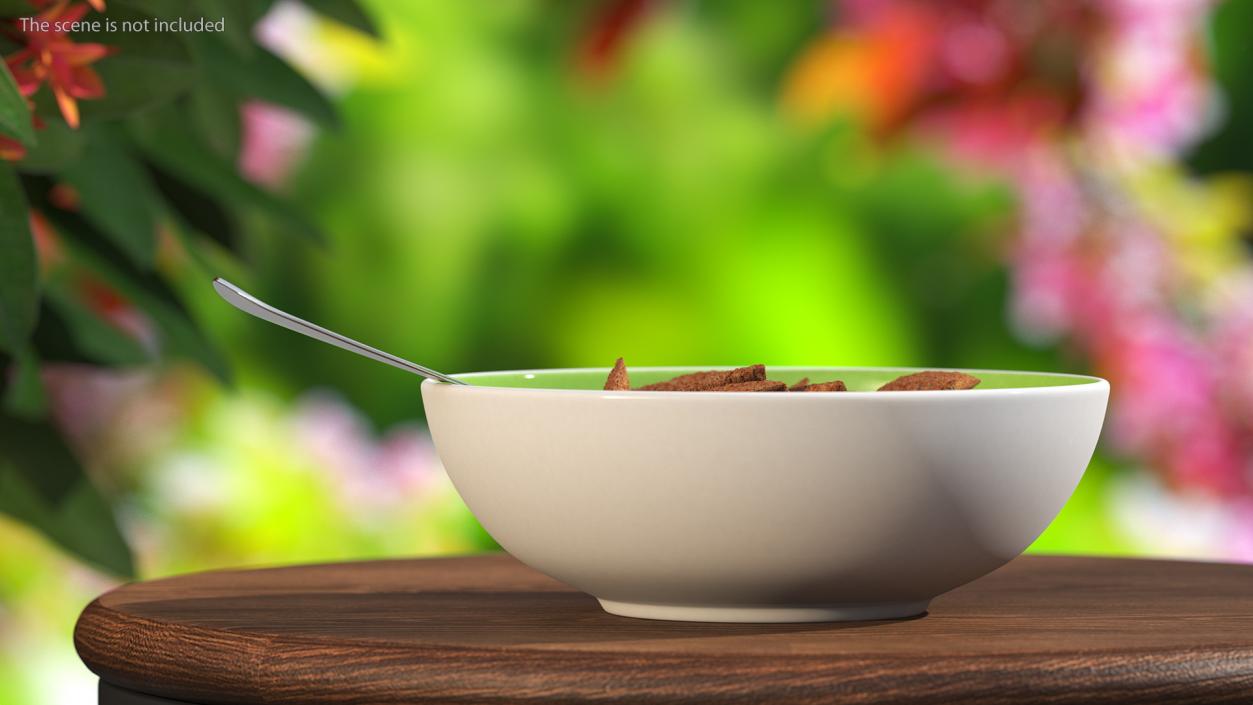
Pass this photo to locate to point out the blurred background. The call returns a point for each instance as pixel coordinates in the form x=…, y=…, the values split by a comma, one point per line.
x=1052, y=185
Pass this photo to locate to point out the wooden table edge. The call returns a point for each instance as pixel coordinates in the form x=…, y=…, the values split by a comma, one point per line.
x=247, y=665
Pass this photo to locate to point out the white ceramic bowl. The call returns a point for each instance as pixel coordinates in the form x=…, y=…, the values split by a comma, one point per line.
x=765, y=507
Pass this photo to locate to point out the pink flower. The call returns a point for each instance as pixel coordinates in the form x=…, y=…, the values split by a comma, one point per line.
x=274, y=141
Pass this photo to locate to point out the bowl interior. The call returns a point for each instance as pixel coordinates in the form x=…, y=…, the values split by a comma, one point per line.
x=858, y=379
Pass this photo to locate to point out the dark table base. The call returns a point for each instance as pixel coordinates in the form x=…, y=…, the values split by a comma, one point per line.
x=112, y=695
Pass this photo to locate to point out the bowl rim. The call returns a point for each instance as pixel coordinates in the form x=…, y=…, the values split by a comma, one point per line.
x=1089, y=383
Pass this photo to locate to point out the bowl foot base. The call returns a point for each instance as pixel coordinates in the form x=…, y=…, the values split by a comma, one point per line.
x=765, y=614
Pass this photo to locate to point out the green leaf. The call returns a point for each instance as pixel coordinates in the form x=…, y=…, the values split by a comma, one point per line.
x=179, y=335
x=116, y=195
x=77, y=228
x=165, y=9
x=37, y=448
x=42, y=484
x=246, y=12
x=25, y=395
x=69, y=331
x=216, y=116
x=263, y=76
x=237, y=22
x=54, y=339
x=345, y=11
x=195, y=210
x=1229, y=147
x=91, y=250
x=59, y=146
x=19, y=276
x=14, y=115
x=257, y=9
x=16, y=8
x=167, y=142
x=147, y=68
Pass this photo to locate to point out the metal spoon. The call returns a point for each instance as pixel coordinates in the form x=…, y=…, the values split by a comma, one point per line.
x=248, y=303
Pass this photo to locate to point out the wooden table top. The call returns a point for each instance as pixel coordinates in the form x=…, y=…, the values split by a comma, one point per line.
x=487, y=629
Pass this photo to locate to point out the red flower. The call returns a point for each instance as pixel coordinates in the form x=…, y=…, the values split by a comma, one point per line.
x=615, y=21
x=52, y=57
x=962, y=66
x=97, y=5
x=11, y=149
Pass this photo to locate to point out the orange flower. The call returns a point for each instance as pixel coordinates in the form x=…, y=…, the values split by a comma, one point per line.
x=52, y=57
x=876, y=74
x=47, y=242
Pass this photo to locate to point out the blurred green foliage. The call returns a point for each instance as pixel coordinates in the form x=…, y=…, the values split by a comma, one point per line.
x=489, y=206
x=154, y=157
x=1230, y=148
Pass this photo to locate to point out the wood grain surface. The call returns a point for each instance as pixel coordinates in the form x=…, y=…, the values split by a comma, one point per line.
x=489, y=630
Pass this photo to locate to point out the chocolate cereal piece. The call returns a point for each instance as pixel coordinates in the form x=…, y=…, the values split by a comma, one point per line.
x=930, y=380
x=799, y=386
x=703, y=381
x=764, y=385
x=618, y=380
x=836, y=386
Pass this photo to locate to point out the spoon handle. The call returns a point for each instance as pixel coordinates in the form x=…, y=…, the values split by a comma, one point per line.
x=248, y=303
